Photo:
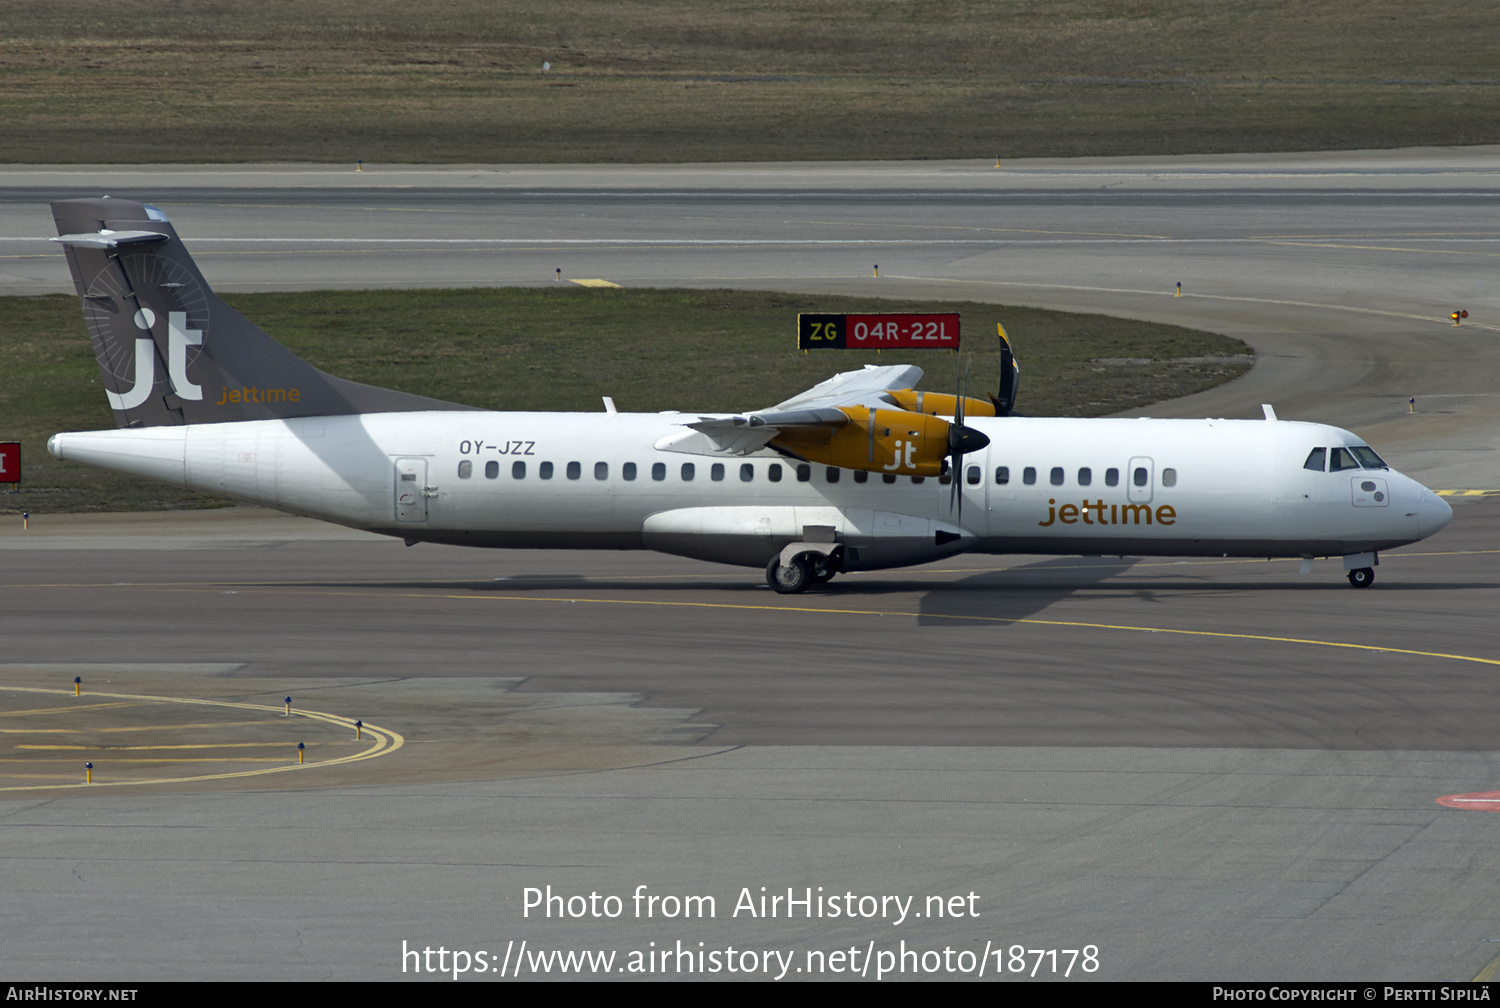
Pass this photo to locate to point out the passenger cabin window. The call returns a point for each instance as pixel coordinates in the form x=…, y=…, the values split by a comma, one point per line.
x=688, y=471
x=465, y=469
x=1085, y=477
x=747, y=472
x=804, y=472
x=1169, y=477
x=972, y=477
x=491, y=469
x=832, y=474
x=628, y=470
x=773, y=472
x=544, y=470
x=887, y=477
x=1002, y=475
x=716, y=472
x=658, y=471
x=1315, y=459
x=1028, y=475
x=1111, y=477
x=575, y=470
x=518, y=470
x=1057, y=475
x=860, y=476
x=601, y=470
x=1141, y=476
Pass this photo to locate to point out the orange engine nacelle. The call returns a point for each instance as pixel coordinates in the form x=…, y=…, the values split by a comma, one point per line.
x=877, y=440
x=940, y=404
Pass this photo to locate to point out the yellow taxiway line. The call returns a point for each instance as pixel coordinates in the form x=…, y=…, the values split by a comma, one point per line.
x=382, y=740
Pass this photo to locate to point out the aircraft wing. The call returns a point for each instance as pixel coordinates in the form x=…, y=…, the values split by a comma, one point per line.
x=816, y=409
x=865, y=387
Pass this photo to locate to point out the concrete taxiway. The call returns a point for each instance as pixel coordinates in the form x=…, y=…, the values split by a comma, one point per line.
x=1204, y=769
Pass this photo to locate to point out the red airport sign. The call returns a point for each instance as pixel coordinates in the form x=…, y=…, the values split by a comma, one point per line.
x=877, y=332
x=10, y=462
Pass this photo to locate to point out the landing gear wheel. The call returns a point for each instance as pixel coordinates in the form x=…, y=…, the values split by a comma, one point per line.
x=1362, y=577
x=824, y=570
x=791, y=579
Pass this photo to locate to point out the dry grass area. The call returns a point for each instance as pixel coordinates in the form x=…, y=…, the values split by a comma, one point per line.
x=463, y=80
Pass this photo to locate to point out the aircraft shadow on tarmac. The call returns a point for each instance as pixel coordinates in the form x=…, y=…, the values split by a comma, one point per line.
x=995, y=596
x=1022, y=591
x=1018, y=591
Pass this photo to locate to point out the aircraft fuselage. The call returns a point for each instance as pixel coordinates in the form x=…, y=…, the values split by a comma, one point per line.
x=597, y=480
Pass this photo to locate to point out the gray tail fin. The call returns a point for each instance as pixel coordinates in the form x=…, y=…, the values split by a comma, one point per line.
x=170, y=351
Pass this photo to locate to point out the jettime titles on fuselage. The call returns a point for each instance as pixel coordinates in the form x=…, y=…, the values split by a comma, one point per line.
x=1099, y=513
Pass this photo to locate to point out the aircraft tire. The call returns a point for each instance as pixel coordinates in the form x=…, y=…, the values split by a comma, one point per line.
x=824, y=568
x=1362, y=577
x=791, y=579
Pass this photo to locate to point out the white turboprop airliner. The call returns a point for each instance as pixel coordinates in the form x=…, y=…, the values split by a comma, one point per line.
x=850, y=475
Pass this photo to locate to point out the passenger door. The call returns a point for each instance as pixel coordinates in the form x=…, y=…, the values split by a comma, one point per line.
x=412, y=490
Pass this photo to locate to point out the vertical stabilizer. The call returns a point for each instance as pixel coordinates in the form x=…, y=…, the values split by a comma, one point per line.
x=170, y=351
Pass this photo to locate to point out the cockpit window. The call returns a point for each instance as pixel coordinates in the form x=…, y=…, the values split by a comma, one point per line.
x=1341, y=459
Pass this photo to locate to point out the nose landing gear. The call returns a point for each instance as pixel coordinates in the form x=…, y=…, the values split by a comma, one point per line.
x=1362, y=577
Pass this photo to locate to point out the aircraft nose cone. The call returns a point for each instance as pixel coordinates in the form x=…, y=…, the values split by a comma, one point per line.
x=1432, y=513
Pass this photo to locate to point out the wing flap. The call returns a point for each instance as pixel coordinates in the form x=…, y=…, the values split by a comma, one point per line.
x=709, y=438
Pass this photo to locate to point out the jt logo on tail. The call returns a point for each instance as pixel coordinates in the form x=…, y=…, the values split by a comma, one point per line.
x=179, y=338
x=131, y=270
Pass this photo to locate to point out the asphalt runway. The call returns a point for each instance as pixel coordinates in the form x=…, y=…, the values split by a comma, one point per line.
x=1201, y=769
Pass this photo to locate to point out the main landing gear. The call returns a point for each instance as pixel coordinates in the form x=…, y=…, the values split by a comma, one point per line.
x=1362, y=577
x=800, y=572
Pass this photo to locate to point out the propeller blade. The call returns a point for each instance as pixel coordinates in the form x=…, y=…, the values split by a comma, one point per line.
x=1010, y=376
x=961, y=441
x=955, y=499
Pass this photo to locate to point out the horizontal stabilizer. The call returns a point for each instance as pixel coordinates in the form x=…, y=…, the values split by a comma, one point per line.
x=110, y=239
